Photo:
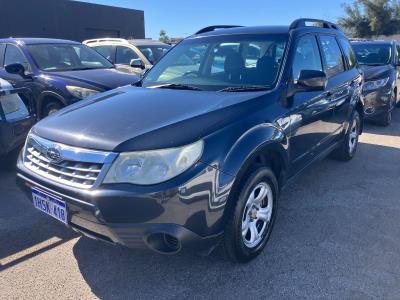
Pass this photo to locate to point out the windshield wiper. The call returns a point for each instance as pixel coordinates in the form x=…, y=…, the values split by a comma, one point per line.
x=248, y=88
x=177, y=86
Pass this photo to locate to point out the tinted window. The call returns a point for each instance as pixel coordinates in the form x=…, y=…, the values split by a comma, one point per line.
x=67, y=57
x=348, y=52
x=125, y=55
x=333, y=56
x=2, y=48
x=108, y=51
x=14, y=56
x=220, y=53
x=13, y=107
x=154, y=53
x=218, y=62
x=307, y=56
x=373, y=54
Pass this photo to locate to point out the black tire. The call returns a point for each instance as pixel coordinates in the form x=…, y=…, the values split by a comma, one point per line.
x=50, y=108
x=8, y=161
x=233, y=242
x=346, y=152
x=386, y=119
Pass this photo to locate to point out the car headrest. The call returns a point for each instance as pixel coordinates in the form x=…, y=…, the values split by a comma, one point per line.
x=234, y=63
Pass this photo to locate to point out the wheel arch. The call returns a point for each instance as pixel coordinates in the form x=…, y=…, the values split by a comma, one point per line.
x=46, y=97
x=264, y=145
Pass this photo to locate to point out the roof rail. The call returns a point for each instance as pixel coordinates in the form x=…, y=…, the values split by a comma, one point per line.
x=104, y=40
x=322, y=23
x=212, y=28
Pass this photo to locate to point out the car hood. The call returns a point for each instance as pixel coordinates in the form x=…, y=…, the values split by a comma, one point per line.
x=375, y=72
x=102, y=79
x=132, y=118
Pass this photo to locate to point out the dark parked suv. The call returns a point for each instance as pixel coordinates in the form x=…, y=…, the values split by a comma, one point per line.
x=198, y=152
x=58, y=72
x=379, y=62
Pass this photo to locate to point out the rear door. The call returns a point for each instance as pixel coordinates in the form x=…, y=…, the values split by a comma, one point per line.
x=342, y=73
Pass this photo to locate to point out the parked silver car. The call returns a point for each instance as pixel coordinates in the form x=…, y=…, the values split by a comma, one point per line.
x=130, y=55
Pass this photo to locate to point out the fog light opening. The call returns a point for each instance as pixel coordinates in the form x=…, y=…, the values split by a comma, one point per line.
x=164, y=243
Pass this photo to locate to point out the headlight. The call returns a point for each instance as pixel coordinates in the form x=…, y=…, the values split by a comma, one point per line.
x=80, y=92
x=375, y=84
x=151, y=167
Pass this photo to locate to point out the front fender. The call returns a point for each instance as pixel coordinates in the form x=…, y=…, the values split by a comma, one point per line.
x=251, y=143
x=259, y=139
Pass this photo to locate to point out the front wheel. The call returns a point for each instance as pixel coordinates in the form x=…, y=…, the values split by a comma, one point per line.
x=348, y=147
x=250, y=217
x=386, y=119
x=50, y=108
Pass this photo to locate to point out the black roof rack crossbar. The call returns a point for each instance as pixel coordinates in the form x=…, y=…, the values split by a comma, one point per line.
x=212, y=28
x=303, y=23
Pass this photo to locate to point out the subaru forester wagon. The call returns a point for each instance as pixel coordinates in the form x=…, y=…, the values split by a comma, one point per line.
x=196, y=154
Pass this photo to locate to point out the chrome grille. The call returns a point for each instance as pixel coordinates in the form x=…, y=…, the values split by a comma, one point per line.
x=74, y=166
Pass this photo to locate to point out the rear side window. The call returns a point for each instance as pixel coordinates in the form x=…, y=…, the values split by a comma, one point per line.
x=14, y=56
x=332, y=55
x=348, y=52
x=125, y=55
x=307, y=56
x=108, y=51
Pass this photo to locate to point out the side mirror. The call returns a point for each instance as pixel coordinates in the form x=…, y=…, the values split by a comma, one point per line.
x=17, y=69
x=312, y=80
x=137, y=63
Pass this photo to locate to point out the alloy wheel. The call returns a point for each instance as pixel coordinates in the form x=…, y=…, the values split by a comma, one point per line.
x=257, y=214
x=353, y=136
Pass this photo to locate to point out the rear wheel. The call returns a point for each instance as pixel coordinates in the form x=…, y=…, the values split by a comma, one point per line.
x=349, y=145
x=251, y=216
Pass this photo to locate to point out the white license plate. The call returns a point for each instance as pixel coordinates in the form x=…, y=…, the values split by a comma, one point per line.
x=50, y=204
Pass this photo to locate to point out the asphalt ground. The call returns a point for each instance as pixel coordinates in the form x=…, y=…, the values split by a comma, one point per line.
x=337, y=236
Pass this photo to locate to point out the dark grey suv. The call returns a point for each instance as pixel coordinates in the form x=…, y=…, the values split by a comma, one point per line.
x=197, y=152
x=379, y=62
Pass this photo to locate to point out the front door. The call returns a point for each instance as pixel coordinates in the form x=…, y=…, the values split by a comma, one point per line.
x=310, y=113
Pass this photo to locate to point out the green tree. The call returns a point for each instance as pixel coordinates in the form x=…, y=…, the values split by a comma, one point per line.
x=164, y=37
x=365, y=18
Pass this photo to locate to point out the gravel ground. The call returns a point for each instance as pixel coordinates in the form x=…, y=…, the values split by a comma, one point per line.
x=337, y=236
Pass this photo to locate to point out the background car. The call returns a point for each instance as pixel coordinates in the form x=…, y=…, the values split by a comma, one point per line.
x=379, y=61
x=16, y=116
x=130, y=55
x=58, y=72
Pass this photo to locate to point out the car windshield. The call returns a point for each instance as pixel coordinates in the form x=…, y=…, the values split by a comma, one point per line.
x=223, y=62
x=154, y=52
x=373, y=54
x=67, y=57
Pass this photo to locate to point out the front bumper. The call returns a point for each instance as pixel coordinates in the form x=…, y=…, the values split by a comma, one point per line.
x=377, y=102
x=178, y=215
